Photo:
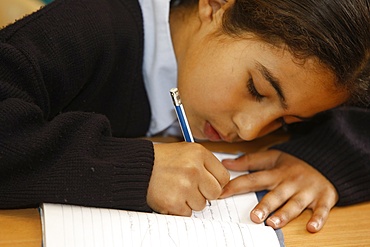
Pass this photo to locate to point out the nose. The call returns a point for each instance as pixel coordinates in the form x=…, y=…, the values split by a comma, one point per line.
x=256, y=124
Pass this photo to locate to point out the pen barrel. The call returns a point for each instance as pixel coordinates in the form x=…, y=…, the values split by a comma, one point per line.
x=184, y=125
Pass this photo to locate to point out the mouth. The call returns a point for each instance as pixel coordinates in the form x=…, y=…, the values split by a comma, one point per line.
x=211, y=133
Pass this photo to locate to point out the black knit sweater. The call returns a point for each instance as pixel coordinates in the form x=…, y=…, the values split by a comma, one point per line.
x=72, y=96
x=60, y=68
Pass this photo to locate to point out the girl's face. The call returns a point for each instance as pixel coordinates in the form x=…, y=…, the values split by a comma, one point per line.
x=236, y=90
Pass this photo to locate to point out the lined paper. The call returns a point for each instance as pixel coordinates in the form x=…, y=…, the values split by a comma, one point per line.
x=76, y=226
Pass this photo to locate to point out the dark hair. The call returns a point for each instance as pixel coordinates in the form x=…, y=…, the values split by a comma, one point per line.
x=337, y=32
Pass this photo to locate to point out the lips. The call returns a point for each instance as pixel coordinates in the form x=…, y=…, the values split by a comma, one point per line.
x=211, y=133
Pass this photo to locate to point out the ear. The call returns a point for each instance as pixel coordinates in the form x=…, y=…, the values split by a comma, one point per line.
x=208, y=8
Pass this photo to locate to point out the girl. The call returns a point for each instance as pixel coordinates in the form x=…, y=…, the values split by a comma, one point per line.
x=81, y=78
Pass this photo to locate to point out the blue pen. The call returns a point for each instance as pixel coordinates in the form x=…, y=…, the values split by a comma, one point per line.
x=184, y=125
x=185, y=128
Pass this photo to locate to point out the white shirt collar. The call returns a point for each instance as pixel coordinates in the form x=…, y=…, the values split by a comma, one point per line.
x=159, y=66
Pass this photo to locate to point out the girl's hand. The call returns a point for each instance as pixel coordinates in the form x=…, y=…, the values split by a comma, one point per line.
x=184, y=176
x=293, y=186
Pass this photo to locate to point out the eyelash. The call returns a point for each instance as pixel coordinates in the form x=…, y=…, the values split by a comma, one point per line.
x=253, y=91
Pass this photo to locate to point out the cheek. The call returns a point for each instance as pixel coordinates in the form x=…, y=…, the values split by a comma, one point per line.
x=211, y=104
x=205, y=90
x=272, y=126
x=203, y=104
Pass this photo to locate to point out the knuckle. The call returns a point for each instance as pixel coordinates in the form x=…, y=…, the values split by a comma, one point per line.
x=247, y=158
x=184, y=186
x=276, y=196
x=321, y=211
x=299, y=203
x=191, y=169
x=225, y=179
x=253, y=177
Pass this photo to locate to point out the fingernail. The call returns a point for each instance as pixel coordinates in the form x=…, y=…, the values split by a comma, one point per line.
x=275, y=220
x=259, y=214
x=315, y=225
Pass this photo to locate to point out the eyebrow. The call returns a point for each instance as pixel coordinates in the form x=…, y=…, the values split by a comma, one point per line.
x=275, y=83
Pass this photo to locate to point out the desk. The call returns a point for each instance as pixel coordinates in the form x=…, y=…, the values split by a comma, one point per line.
x=346, y=226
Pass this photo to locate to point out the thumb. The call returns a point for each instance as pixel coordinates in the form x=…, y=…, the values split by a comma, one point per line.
x=253, y=161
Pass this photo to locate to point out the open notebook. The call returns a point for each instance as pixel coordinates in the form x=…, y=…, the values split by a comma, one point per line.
x=225, y=223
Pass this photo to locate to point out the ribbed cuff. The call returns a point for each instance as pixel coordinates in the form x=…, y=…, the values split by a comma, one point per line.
x=132, y=162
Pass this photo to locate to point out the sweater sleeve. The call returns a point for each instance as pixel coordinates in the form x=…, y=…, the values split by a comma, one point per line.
x=340, y=149
x=49, y=59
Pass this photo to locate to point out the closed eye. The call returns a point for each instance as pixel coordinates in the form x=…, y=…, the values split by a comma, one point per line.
x=253, y=91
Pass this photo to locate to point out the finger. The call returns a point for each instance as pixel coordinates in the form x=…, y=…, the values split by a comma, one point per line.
x=256, y=181
x=215, y=167
x=320, y=213
x=183, y=210
x=197, y=201
x=318, y=219
x=273, y=200
x=173, y=206
x=292, y=209
x=254, y=161
x=209, y=187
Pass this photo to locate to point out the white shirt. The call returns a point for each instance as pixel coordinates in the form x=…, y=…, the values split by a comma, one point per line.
x=159, y=65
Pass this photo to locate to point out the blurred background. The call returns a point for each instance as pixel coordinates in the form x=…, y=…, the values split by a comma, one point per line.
x=12, y=10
